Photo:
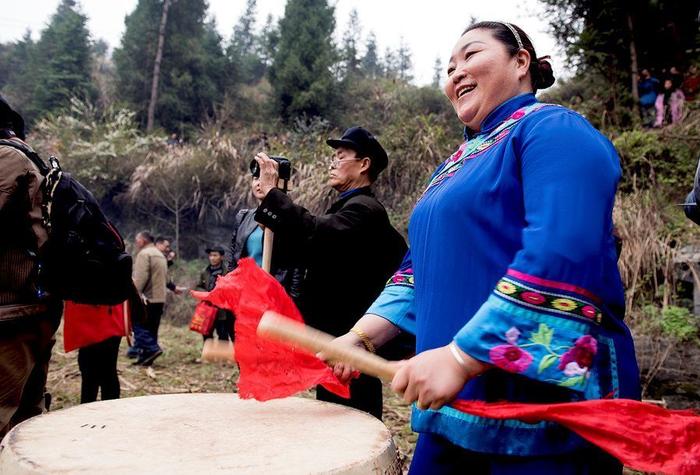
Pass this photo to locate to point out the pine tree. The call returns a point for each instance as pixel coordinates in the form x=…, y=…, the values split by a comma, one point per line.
x=243, y=52
x=267, y=41
x=192, y=70
x=17, y=83
x=390, y=64
x=62, y=61
x=351, y=37
x=370, y=61
x=404, y=62
x=437, y=72
x=301, y=72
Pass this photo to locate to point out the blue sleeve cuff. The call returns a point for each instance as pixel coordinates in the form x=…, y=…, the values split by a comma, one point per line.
x=560, y=351
x=395, y=304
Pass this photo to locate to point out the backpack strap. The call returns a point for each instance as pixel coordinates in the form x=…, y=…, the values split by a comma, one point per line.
x=31, y=155
x=51, y=173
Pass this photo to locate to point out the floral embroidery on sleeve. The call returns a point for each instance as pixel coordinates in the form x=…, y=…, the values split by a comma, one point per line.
x=574, y=361
x=511, y=357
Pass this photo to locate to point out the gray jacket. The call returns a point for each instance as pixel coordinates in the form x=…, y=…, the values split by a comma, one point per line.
x=283, y=268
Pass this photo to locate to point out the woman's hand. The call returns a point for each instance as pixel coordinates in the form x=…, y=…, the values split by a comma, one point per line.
x=379, y=330
x=269, y=172
x=434, y=377
x=344, y=371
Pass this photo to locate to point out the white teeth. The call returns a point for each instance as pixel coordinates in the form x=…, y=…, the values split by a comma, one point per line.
x=465, y=90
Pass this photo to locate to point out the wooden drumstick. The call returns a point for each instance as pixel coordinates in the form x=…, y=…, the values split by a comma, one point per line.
x=217, y=350
x=267, y=249
x=278, y=327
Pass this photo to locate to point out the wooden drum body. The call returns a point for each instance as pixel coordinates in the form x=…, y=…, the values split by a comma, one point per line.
x=200, y=433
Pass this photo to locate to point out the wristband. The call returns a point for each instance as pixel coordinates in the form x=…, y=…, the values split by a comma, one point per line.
x=455, y=352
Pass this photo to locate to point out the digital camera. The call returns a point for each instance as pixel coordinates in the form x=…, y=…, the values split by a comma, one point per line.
x=284, y=168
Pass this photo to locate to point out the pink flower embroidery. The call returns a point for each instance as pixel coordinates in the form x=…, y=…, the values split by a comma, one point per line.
x=582, y=353
x=533, y=298
x=589, y=311
x=510, y=358
x=573, y=369
x=517, y=114
x=512, y=335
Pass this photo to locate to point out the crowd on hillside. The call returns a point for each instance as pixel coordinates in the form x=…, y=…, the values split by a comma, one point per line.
x=662, y=101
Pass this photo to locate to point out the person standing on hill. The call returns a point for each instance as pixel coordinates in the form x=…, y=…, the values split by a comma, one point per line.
x=207, y=281
x=669, y=104
x=648, y=90
x=150, y=279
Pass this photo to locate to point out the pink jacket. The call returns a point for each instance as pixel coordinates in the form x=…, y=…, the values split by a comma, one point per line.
x=676, y=104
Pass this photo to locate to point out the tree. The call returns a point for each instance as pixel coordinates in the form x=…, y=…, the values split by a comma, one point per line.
x=156, y=66
x=61, y=66
x=437, y=72
x=17, y=82
x=370, y=64
x=351, y=38
x=267, y=41
x=615, y=38
x=192, y=70
x=404, y=62
x=301, y=72
x=103, y=74
x=390, y=64
x=244, y=51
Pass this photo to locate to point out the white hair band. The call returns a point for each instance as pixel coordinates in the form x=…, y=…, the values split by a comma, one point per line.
x=515, y=33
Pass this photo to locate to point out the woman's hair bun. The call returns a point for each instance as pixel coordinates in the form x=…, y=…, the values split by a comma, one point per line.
x=545, y=74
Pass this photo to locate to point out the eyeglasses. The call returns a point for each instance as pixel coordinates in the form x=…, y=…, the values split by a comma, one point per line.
x=335, y=162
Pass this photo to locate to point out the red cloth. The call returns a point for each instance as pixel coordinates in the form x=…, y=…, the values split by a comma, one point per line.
x=643, y=436
x=268, y=369
x=85, y=325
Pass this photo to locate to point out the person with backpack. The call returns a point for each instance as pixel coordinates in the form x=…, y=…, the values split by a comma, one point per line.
x=29, y=315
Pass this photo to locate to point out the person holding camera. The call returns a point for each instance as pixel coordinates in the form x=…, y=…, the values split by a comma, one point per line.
x=247, y=241
x=349, y=252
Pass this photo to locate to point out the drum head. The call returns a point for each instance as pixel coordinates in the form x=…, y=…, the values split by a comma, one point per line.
x=200, y=433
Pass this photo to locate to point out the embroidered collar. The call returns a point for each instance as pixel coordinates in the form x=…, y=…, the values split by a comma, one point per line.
x=501, y=113
x=483, y=141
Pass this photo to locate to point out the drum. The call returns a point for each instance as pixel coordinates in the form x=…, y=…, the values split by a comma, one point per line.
x=200, y=433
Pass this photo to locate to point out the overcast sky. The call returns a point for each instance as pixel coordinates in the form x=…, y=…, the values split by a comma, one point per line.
x=429, y=28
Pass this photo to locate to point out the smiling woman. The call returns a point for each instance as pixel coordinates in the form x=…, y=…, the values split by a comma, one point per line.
x=511, y=284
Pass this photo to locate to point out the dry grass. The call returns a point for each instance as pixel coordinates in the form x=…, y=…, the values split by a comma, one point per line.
x=178, y=371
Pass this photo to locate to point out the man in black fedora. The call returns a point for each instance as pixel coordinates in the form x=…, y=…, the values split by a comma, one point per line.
x=349, y=252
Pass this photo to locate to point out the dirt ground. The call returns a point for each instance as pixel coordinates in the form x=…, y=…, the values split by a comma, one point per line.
x=178, y=371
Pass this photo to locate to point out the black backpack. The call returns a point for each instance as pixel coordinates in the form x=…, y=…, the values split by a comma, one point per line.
x=84, y=259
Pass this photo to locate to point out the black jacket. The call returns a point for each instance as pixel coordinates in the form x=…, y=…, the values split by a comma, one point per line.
x=207, y=281
x=284, y=267
x=349, y=253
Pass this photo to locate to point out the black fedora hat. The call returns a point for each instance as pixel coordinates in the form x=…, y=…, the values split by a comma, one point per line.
x=10, y=117
x=365, y=144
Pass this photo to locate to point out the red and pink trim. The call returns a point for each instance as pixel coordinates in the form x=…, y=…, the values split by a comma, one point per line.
x=553, y=284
